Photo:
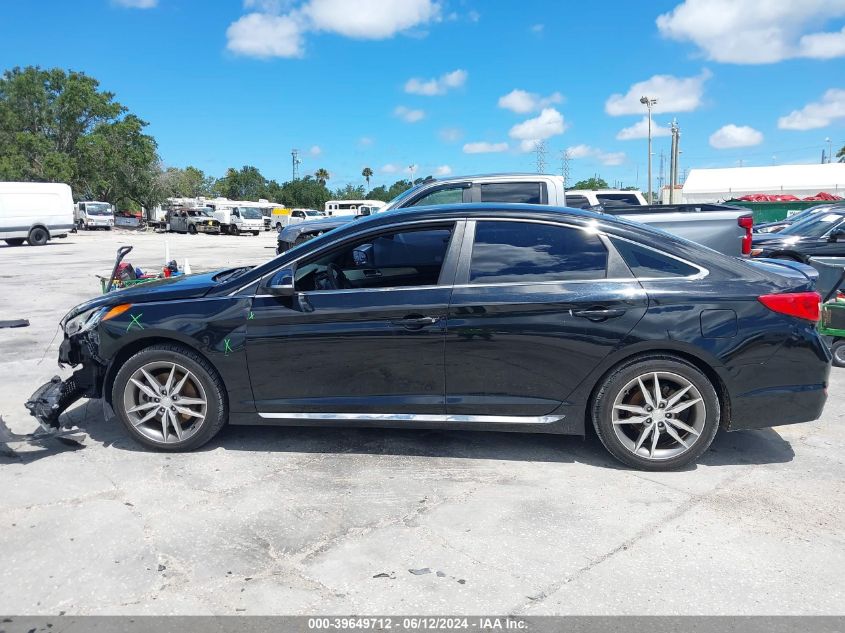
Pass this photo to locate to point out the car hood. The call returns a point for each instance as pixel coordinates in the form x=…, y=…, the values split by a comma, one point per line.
x=172, y=288
x=767, y=240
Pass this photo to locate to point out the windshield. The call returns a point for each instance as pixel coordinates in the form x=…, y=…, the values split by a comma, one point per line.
x=312, y=214
x=250, y=213
x=102, y=208
x=814, y=226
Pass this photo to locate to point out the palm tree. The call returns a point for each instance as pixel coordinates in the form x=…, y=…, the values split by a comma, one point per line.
x=322, y=176
x=367, y=174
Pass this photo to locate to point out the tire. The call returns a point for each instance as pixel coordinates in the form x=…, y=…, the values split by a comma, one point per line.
x=201, y=383
x=255, y=233
x=15, y=241
x=838, y=351
x=80, y=224
x=621, y=388
x=192, y=229
x=38, y=236
x=234, y=230
x=278, y=226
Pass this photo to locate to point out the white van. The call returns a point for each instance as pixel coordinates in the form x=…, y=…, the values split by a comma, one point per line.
x=35, y=212
x=350, y=207
x=239, y=219
x=94, y=215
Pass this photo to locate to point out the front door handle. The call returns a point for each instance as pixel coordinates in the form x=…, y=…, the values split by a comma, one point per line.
x=414, y=322
x=598, y=314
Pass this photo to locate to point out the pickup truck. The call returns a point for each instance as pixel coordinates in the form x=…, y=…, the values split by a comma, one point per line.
x=722, y=228
x=193, y=220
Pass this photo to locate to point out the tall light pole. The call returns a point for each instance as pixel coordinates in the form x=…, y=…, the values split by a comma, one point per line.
x=829, y=148
x=648, y=102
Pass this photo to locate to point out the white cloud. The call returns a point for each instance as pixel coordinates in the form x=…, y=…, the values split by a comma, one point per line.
x=409, y=115
x=389, y=168
x=817, y=114
x=522, y=102
x=673, y=94
x=731, y=135
x=315, y=150
x=483, y=147
x=442, y=170
x=609, y=159
x=640, y=130
x=264, y=35
x=136, y=4
x=369, y=19
x=365, y=141
x=439, y=86
x=549, y=123
x=450, y=134
x=756, y=31
x=537, y=28
x=473, y=16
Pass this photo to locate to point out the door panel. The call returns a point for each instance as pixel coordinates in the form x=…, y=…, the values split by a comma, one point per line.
x=349, y=351
x=521, y=350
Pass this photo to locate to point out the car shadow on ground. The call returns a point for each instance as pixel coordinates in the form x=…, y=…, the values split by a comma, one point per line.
x=763, y=446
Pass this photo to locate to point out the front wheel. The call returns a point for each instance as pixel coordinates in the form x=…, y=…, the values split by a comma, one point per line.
x=192, y=229
x=14, y=241
x=838, y=351
x=38, y=236
x=656, y=413
x=255, y=232
x=169, y=398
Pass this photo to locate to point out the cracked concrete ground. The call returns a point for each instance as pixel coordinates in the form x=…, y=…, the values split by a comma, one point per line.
x=299, y=521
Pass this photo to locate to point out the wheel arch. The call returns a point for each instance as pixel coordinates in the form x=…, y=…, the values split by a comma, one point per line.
x=39, y=225
x=129, y=350
x=682, y=353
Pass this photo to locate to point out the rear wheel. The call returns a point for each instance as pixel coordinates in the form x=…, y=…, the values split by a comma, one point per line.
x=234, y=230
x=14, y=241
x=656, y=413
x=38, y=236
x=192, y=229
x=169, y=398
x=838, y=351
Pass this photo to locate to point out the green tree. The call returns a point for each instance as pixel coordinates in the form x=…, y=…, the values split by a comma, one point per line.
x=304, y=192
x=841, y=154
x=58, y=126
x=350, y=192
x=322, y=176
x=367, y=173
x=245, y=183
x=591, y=183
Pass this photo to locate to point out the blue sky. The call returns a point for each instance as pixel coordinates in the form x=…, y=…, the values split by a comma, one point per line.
x=393, y=83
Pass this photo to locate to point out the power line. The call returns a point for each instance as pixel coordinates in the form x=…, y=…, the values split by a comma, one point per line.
x=295, y=161
x=540, y=151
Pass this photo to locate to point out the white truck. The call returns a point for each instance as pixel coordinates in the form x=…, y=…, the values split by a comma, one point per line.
x=721, y=227
x=239, y=219
x=93, y=214
x=34, y=212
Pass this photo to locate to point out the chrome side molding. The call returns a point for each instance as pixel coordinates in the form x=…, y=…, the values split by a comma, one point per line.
x=414, y=417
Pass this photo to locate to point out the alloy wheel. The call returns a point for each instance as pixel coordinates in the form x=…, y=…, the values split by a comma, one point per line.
x=659, y=415
x=165, y=402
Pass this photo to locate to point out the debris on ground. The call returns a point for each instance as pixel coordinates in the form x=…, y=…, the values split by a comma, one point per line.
x=14, y=323
x=420, y=572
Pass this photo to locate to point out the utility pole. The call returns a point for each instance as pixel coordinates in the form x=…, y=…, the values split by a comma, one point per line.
x=565, y=158
x=648, y=102
x=540, y=151
x=673, y=160
x=660, y=176
x=829, y=148
x=294, y=158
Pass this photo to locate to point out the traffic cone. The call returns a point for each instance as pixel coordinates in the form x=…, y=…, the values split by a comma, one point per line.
x=186, y=269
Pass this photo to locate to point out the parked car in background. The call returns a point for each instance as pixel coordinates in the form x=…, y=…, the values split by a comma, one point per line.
x=350, y=207
x=93, y=214
x=821, y=234
x=775, y=227
x=488, y=316
x=193, y=220
x=723, y=228
x=34, y=212
x=281, y=217
x=240, y=219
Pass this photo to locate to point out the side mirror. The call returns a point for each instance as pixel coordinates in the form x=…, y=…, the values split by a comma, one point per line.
x=363, y=256
x=837, y=235
x=281, y=283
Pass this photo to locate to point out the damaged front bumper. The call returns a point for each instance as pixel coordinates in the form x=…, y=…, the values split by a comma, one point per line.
x=53, y=398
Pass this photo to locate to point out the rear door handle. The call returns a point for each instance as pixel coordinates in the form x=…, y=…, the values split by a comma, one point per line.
x=598, y=314
x=414, y=322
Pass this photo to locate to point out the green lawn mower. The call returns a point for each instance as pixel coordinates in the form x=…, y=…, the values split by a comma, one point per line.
x=831, y=285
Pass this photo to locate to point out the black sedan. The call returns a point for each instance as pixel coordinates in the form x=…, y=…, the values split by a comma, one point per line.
x=491, y=317
x=780, y=225
x=820, y=235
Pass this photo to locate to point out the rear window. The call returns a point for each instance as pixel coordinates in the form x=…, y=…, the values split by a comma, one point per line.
x=532, y=252
x=516, y=192
x=646, y=263
x=623, y=198
x=577, y=202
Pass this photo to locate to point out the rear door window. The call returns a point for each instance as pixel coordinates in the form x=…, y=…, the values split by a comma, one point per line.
x=513, y=192
x=449, y=195
x=512, y=251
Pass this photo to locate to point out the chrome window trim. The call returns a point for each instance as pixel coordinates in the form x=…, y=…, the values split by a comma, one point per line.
x=701, y=274
x=415, y=417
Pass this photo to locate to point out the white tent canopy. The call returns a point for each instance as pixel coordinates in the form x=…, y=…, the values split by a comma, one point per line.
x=715, y=185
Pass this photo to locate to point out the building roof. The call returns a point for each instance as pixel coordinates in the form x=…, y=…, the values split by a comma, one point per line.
x=710, y=185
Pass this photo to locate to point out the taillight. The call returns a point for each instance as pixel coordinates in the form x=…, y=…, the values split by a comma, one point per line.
x=801, y=305
x=746, y=222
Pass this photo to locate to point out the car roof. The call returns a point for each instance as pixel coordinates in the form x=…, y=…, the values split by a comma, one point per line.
x=475, y=209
